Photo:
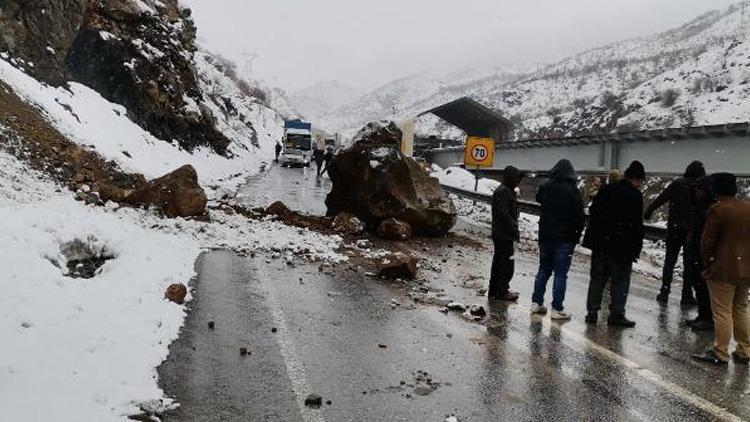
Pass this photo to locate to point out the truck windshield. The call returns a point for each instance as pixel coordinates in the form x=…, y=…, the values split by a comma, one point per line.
x=299, y=142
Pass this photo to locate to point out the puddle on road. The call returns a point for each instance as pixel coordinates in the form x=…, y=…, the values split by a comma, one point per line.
x=299, y=188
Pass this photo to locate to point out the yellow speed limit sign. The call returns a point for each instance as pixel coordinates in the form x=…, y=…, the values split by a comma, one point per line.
x=480, y=152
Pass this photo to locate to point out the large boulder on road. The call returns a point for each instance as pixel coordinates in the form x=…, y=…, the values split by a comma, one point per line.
x=374, y=181
x=177, y=194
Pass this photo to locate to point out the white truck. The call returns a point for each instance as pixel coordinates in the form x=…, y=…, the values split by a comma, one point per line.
x=298, y=144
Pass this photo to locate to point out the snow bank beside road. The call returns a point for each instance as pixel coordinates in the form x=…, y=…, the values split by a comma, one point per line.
x=76, y=349
x=460, y=178
x=72, y=348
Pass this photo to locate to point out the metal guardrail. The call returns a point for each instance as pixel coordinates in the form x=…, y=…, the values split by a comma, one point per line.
x=652, y=231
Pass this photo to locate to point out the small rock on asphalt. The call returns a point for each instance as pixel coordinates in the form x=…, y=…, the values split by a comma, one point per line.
x=314, y=401
x=211, y=325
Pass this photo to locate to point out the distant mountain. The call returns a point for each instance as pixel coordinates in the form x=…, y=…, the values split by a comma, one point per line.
x=317, y=100
x=696, y=74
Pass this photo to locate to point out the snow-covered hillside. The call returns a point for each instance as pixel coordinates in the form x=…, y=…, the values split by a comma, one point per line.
x=697, y=74
x=317, y=100
x=410, y=95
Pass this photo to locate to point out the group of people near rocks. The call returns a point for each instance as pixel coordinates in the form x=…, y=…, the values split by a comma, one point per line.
x=707, y=221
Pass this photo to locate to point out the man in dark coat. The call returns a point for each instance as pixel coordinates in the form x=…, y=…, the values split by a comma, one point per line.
x=677, y=194
x=327, y=159
x=615, y=237
x=560, y=226
x=504, y=235
x=278, y=150
x=318, y=158
x=725, y=248
x=701, y=199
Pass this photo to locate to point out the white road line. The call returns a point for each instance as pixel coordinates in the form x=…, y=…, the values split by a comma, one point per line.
x=707, y=406
x=294, y=367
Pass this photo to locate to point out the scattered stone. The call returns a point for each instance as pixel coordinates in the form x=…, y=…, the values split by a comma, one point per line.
x=398, y=266
x=315, y=401
x=383, y=346
x=347, y=223
x=456, y=307
x=481, y=292
x=477, y=310
x=328, y=402
x=274, y=330
x=211, y=325
x=176, y=293
x=177, y=194
x=392, y=229
x=422, y=389
x=243, y=351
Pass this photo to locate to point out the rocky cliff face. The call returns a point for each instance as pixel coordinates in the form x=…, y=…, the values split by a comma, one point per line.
x=137, y=53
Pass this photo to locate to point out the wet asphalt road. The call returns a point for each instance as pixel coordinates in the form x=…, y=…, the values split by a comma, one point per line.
x=330, y=326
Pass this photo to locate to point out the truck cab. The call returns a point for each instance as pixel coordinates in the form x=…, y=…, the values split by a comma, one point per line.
x=298, y=144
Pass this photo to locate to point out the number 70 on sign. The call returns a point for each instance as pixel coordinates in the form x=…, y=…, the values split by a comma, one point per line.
x=480, y=152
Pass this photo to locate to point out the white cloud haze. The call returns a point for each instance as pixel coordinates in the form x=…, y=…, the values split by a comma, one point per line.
x=367, y=43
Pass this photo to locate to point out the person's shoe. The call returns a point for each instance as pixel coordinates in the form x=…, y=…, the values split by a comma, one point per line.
x=537, y=309
x=592, y=318
x=507, y=296
x=710, y=357
x=620, y=321
x=741, y=359
x=702, y=325
x=560, y=315
x=663, y=296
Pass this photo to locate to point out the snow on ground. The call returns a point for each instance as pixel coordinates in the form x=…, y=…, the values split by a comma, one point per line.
x=461, y=178
x=85, y=117
x=76, y=349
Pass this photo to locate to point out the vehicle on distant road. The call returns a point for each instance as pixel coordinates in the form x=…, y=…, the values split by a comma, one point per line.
x=298, y=144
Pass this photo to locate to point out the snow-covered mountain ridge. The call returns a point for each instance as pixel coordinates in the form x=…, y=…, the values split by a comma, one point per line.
x=697, y=74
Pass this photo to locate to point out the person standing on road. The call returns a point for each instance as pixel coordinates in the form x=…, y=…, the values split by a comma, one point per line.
x=504, y=235
x=327, y=159
x=278, y=150
x=701, y=199
x=677, y=194
x=318, y=158
x=560, y=226
x=725, y=247
x=615, y=237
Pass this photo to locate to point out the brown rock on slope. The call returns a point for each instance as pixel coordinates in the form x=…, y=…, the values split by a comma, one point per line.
x=177, y=194
x=374, y=181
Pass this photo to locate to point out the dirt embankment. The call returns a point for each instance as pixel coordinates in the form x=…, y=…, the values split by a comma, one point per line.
x=29, y=136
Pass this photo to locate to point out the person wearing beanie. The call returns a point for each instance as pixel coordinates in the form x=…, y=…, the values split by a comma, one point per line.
x=615, y=237
x=677, y=195
x=504, y=235
x=725, y=249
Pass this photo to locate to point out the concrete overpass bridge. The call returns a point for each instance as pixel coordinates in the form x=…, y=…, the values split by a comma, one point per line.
x=662, y=152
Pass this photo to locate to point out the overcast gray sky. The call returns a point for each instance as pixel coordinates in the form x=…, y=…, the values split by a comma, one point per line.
x=368, y=43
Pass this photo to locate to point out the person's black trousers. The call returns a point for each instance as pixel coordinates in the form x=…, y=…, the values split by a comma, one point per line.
x=614, y=269
x=503, y=267
x=694, y=278
x=675, y=241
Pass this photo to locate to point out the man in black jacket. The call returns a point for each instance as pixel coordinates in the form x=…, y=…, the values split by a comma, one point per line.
x=504, y=235
x=615, y=237
x=677, y=194
x=560, y=226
